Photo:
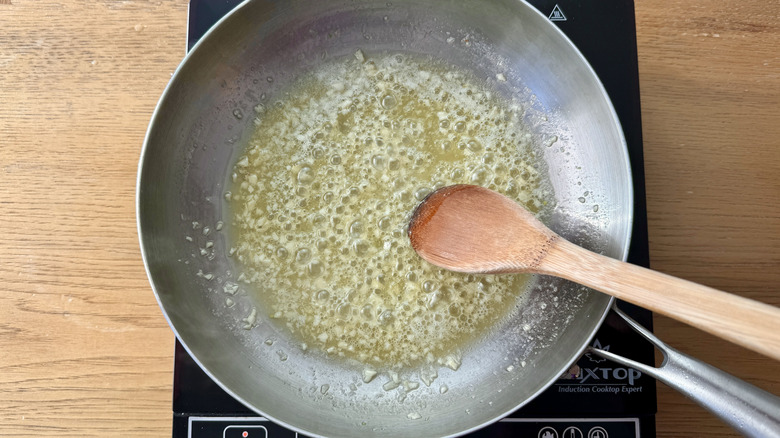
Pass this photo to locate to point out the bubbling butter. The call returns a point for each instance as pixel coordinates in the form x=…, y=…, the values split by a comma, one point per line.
x=322, y=197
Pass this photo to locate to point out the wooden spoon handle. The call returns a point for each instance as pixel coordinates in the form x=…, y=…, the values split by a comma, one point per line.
x=745, y=322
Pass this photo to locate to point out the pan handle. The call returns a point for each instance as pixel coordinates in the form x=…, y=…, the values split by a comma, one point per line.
x=750, y=410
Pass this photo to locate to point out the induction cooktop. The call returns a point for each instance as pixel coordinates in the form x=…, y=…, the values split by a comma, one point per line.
x=596, y=399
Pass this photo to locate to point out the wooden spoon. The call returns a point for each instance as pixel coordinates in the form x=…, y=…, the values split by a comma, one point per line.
x=472, y=229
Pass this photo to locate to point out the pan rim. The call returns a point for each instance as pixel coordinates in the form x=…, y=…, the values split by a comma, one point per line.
x=628, y=215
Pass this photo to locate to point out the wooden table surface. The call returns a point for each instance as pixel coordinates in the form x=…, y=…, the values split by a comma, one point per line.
x=84, y=348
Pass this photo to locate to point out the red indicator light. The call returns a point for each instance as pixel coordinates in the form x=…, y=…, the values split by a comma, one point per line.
x=244, y=434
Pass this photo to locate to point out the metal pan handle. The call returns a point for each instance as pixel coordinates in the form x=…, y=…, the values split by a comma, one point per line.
x=750, y=410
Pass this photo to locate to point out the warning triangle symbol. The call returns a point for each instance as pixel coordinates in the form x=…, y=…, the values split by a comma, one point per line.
x=557, y=14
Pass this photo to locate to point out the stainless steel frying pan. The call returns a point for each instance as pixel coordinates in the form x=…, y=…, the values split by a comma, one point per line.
x=204, y=119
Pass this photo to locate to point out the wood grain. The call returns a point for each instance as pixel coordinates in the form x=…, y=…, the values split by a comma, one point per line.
x=710, y=88
x=84, y=349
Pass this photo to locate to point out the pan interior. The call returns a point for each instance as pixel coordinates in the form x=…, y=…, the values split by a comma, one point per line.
x=203, y=122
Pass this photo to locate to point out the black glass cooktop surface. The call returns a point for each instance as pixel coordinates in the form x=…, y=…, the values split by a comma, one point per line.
x=599, y=399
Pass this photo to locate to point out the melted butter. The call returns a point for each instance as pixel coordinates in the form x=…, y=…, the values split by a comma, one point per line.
x=322, y=197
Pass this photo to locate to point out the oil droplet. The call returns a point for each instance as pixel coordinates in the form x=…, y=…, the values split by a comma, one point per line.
x=386, y=317
x=393, y=164
x=315, y=268
x=356, y=228
x=388, y=101
x=479, y=176
x=378, y=161
x=305, y=175
x=474, y=145
x=360, y=246
x=343, y=310
x=421, y=193
x=384, y=223
x=303, y=256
